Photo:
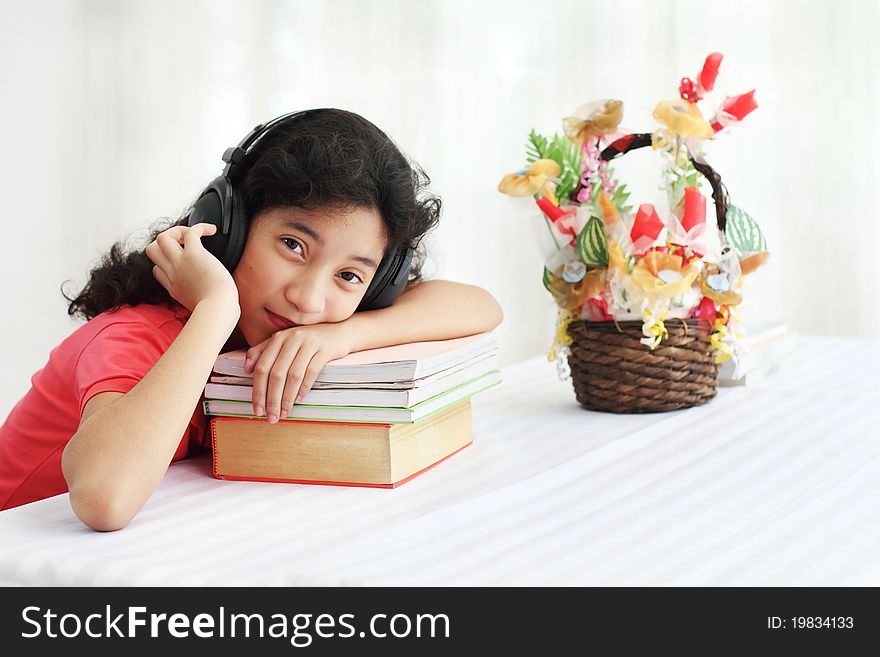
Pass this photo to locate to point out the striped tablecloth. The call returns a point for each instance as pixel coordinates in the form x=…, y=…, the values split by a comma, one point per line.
x=774, y=484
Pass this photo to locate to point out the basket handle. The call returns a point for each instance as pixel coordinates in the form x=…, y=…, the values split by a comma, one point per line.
x=642, y=139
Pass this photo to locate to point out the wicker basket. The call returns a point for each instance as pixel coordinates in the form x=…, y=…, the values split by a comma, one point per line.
x=612, y=371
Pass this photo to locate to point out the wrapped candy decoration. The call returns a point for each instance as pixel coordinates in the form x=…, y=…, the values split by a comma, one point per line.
x=593, y=120
x=647, y=298
x=531, y=181
x=646, y=228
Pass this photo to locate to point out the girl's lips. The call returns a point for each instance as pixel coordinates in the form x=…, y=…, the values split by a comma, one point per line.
x=278, y=320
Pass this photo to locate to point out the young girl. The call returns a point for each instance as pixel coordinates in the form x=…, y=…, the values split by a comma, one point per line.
x=323, y=200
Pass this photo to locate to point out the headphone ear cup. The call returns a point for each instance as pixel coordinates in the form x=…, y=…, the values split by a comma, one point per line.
x=238, y=229
x=208, y=209
x=389, y=281
x=220, y=204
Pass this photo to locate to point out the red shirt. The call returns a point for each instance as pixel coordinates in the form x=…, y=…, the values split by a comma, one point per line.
x=111, y=352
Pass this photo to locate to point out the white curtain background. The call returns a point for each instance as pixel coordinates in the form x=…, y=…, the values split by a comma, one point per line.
x=115, y=114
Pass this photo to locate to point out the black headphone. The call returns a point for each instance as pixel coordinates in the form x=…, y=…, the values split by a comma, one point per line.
x=220, y=204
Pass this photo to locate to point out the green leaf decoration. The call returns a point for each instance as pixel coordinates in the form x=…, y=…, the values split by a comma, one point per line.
x=592, y=244
x=743, y=233
x=560, y=149
x=536, y=147
x=620, y=197
x=548, y=279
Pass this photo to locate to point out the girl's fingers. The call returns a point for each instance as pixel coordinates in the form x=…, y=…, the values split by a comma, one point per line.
x=206, y=228
x=169, y=245
x=181, y=234
x=175, y=233
x=311, y=374
x=160, y=276
x=262, y=371
x=193, y=237
x=292, y=363
x=155, y=254
x=286, y=367
x=253, y=355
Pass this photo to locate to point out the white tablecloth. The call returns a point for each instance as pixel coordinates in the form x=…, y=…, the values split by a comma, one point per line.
x=774, y=484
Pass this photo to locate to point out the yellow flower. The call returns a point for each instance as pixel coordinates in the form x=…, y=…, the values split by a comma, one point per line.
x=572, y=296
x=530, y=182
x=683, y=119
x=663, y=274
x=716, y=286
x=593, y=120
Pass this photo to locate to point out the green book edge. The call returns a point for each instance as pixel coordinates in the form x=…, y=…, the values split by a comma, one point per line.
x=361, y=408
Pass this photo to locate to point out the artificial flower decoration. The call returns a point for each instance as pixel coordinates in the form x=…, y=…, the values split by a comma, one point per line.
x=572, y=295
x=605, y=260
x=683, y=119
x=530, y=181
x=664, y=274
x=716, y=286
x=593, y=120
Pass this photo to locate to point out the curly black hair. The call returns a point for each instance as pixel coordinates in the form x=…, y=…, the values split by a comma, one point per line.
x=325, y=158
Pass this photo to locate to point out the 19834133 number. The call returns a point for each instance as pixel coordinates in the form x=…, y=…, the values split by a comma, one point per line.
x=810, y=623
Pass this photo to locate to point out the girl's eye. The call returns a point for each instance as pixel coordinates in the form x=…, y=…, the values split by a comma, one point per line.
x=292, y=244
x=350, y=277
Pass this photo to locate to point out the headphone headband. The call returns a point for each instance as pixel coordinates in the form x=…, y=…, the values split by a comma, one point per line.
x=235, y=155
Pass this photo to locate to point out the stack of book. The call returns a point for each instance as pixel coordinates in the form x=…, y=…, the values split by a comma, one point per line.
x=764, y=348
x=373, y=418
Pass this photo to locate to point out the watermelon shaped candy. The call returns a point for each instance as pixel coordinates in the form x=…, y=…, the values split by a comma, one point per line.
x=743, y=233
x=592, y=246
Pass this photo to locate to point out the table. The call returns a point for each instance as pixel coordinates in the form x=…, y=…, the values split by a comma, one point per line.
x=777, y=483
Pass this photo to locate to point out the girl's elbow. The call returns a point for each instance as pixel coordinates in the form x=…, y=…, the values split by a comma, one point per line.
x=499, y=317
x=101, y=507
x=101, y=511
x=494, y=313
x=102, y=502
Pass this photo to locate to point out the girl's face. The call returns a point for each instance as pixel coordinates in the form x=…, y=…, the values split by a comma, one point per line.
x=306, y=267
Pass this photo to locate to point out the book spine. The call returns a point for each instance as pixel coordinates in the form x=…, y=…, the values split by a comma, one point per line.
x=214, y=448
x=350, y=484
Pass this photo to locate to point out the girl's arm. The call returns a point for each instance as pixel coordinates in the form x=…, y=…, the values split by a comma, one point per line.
x=428, y=310
x=286, y=365
x=124, y=442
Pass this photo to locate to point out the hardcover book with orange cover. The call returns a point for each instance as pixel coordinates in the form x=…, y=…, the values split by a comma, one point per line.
x=371, y=455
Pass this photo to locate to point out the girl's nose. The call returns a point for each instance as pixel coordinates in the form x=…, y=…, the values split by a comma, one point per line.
x=307, y=295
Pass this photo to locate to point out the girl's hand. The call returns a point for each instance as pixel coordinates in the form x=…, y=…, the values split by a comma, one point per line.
x=286, y=365
x=187, y=270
